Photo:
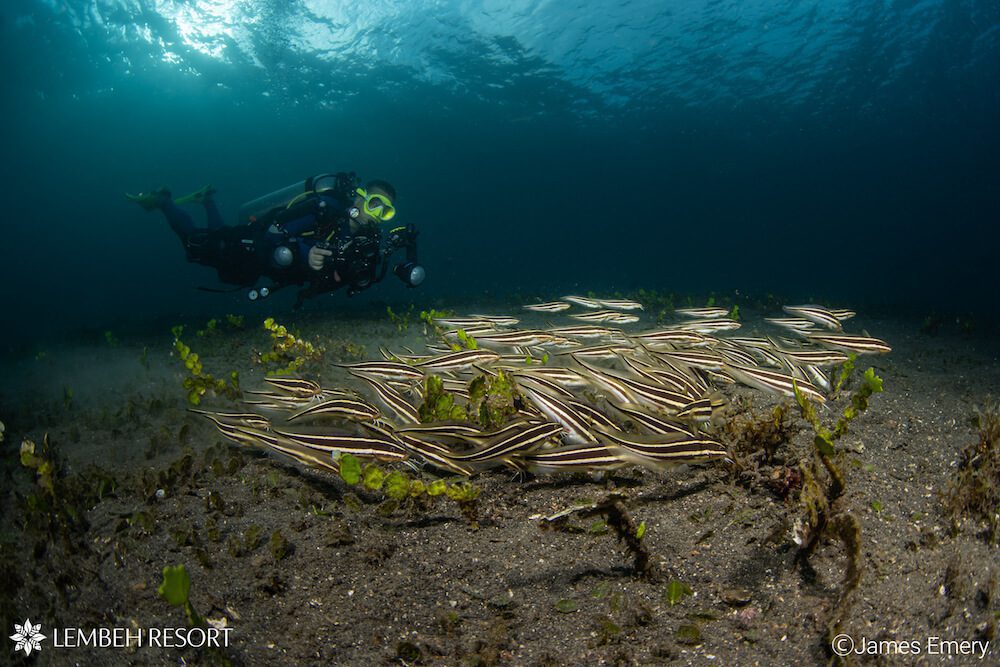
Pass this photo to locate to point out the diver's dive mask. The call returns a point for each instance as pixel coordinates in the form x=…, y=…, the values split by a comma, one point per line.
x=376, y=205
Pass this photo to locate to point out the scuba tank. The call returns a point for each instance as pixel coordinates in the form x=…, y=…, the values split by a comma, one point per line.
x=340, y=184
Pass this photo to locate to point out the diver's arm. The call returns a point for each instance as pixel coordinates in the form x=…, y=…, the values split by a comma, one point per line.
x=410, y=272
x=404, y=237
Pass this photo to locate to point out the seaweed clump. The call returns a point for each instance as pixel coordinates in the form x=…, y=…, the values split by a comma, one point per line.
x=288, y=351
x=618, y=518
x=823, y=486
x=974, y=491
x=58, y=506
x=755, y=440
x=493, y=400
x=439, y=404
x=399, y=488
x=198, y=382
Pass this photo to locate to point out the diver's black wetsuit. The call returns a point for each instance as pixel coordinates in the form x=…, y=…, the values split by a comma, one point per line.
x=277, y=245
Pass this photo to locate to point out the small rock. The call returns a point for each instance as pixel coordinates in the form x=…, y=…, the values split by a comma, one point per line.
x=736, y=597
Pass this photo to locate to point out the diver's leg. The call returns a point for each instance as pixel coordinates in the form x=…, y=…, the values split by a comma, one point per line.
x=179, y=221
x=212, y=215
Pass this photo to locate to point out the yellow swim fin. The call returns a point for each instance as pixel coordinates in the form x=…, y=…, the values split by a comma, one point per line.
x=150, y=200
x=198, y=196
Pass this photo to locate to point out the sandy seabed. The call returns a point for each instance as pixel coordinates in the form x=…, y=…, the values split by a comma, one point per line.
x=348, y=582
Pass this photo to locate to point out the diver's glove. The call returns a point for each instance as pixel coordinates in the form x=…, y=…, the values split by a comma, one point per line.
x=403, y=237
x=317, y=257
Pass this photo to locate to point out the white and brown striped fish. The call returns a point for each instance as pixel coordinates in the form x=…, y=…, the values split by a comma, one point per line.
x=773, y=381
x=588, y=331
x=523, y=441
x=386, y=370
x=298, y=387
x=548, y=307
x=796, y=324
x=851, y=343
x=572, y=459
x=817, y=314
x=339, y=408
x=606, y=316
x=516, y=337
x=362, y=446
x=663, y=451
x=584, y=301
x=463, y=322
x=652, y=423
x=619, y=304
x=707, y=326
x=393, y=400
x=707, y=313
x=498, y=320
x=576, y=429
x=459, y=360
x=250, y=419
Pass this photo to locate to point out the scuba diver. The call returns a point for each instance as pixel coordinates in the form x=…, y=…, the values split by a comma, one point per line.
x=323, y=231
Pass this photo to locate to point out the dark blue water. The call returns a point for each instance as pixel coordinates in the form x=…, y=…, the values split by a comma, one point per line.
x=839, y=151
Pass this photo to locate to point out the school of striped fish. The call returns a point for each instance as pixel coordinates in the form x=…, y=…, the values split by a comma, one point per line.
x=593, y=395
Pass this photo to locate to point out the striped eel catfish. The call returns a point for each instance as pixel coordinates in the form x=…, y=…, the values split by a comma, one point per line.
x=707, y=326
x=548, y=307
x=385, y=370
x=251, y=419
x=582, y=301
x=499, y=320
x=588, y=331
x=245, y=435
x=571, y=459
x=565, y=377
x=652, y=423
x=576, y=429
x=652, y=395
x=664, y=451
x=604, y=351
x=362, y=446
x=606, y=316
x=675, y=338
x=850, y=342
x=516, y=337
x=619, y=304
x=339, y=408
x=503, y=448
x=428, y=451
x=773, y=381
x=463, y=322
x=817, y=314
x=709, y=313
x=797, y=324
x=811, y=356
x=543, y=382
x=393, y=400
x=459, y=360
x=297, y=387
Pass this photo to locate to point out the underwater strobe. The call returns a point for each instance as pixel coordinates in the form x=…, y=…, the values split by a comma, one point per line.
x=410, y=273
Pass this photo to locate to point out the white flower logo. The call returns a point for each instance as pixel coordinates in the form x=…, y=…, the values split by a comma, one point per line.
x=27, y=637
